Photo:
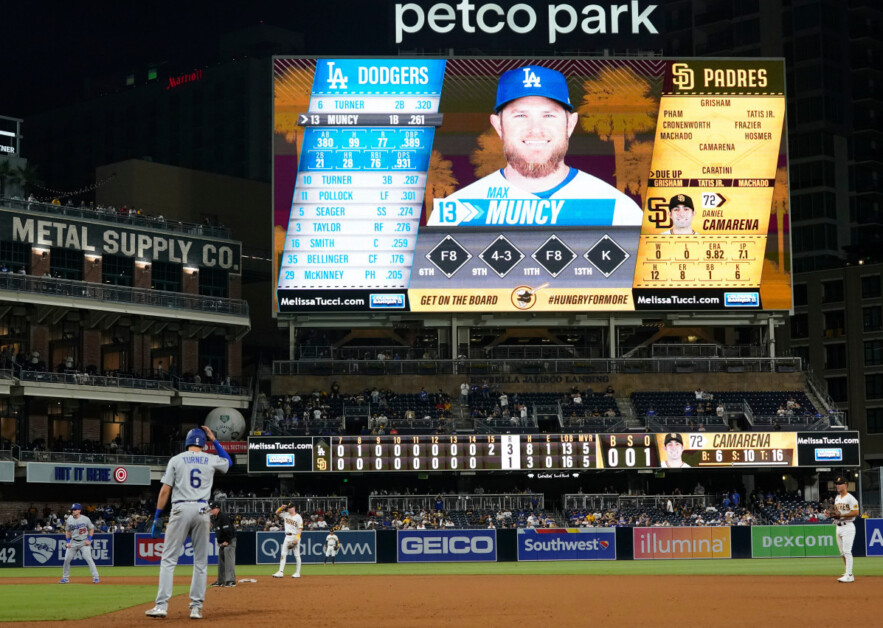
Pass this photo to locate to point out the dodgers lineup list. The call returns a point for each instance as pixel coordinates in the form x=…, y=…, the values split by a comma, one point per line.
x=559, y=452
x=354, y=239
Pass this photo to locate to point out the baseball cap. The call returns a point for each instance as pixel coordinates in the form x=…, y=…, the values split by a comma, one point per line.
x=532, y=80
x=681, y=199
x=673, y=438
x=212, y=505
x=841, y=480
x=77, y=506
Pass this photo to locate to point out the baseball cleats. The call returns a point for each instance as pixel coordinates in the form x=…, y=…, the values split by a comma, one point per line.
x=96, y=581
x=216, y=584
x=846, y=578
x=230, y=584
x=63, y=581
x=278, y=574
x=156, y=611
x=195, y=613
x=295, y=575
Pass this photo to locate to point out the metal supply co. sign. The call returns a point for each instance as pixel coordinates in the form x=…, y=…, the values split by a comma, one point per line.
x=95, y=238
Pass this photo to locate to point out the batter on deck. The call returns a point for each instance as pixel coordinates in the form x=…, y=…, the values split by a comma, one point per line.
x=188, y=481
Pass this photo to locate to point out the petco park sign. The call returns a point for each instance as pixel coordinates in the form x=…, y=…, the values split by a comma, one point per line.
x=475, y=21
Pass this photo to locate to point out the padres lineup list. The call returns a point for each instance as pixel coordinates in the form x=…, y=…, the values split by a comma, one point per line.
x=718, y=137
x=559, y=452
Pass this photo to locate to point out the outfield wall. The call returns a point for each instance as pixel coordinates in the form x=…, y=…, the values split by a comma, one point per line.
x=479, y=545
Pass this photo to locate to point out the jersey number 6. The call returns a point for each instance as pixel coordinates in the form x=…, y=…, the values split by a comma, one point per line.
x=195, y=480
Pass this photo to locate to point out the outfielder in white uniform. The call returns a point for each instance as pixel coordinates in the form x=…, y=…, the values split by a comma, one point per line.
x=534, y=119
x=294, y=527
x=844, y=514
x=188, y=481
x=332, y=545
x=78, y=529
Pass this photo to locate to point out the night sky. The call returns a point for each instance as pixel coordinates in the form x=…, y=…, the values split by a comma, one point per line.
x=53, y=49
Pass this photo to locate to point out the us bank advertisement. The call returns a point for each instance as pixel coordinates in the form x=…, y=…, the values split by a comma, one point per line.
x=530, y=184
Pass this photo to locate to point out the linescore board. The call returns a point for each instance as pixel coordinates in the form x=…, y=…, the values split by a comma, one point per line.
x=558, y=452
x=390, y=189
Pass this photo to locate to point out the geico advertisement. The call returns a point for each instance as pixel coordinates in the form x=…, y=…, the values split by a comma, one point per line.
x=660, y=543
x=355, y=547
x=446, y=546
x=47, y=550
x=148, y=550
x=566, y=544
x=874, y=536
x=788, y=541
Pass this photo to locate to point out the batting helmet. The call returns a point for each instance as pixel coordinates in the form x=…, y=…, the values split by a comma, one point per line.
x=195, y=437
x=77, y=506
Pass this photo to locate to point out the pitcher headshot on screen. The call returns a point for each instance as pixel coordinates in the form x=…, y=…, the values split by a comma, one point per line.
x=680, y=207
x=674, y=449
x=535, y=119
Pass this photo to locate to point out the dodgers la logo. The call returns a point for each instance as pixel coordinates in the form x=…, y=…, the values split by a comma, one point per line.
x=336, y=80
x=531, y=79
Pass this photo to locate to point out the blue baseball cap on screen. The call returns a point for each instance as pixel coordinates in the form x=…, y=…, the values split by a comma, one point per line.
x=77, y=507
x=533, y=80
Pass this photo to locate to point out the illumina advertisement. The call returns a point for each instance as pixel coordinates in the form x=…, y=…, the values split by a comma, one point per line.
x=507, y=185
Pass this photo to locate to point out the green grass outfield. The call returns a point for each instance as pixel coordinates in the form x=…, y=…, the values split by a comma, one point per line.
x=47, y=602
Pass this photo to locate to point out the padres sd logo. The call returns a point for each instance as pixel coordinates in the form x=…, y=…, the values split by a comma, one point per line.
x=657, y=213
x=523, y=297
x=682, y=76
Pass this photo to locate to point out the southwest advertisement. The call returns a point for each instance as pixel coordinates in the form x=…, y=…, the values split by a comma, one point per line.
x=566, y=544
x=511, y=185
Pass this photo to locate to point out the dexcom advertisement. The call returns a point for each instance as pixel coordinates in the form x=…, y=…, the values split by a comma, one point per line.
x=446, y=546
x=355, y=547
x=148, y=550
x=47, y=550
x=566, y=544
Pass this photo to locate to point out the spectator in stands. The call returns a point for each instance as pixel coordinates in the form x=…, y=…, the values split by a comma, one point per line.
x=577, y=399
x=720, y=411
x=609, y=392
x=699, y=394
x=209, y=372
x=650, y=412
x=688, y=409
x=610, y=412
x=464, y=393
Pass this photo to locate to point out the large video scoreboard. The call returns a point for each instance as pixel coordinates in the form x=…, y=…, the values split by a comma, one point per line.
x=390, y=188
x=558, y=452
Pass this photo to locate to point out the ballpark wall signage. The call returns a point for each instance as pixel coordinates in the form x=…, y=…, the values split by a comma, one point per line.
x=95, y=238
x=446, y=546
x=874, y=537
x=47, y=550
x=11, y=554
x=61, y=473
x=356, y=546
x=7, y=471
x=566, y=544
x=790, y=541
x=388, y=192
x=660, y=543
x=148, y=550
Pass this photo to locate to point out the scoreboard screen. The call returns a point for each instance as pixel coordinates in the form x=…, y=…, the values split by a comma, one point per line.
x=546, y=452
x=416, y=185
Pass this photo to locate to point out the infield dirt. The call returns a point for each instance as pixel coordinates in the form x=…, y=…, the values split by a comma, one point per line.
x=493, y=601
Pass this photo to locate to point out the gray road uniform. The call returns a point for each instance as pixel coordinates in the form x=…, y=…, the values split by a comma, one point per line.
x=190, y=475
x=80, y=529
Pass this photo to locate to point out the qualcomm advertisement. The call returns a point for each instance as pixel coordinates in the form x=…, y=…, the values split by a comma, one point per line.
x=47, y=550
x=566, y=544
x=148, y=550
x=874, y=536
x=355, y=547
x=446, y=546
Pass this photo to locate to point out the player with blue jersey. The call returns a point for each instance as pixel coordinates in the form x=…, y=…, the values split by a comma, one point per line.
x=188, y=483
x=534, y=119
x=78, y=529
